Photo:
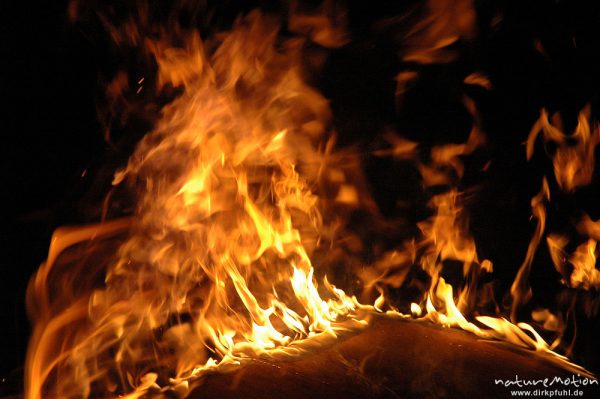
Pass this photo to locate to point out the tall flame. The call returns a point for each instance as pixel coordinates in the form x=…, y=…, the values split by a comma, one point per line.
x=217, y=265
x=234, y=189
x=573, y=162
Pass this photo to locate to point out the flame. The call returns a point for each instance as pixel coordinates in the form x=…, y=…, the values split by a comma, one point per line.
x=585, y=274
x=238, y=190
x=223, y=232
x=444, y=23
x=445, y=237
x=573, y=162
x=573, y=159
x=578, y=269
x=520, y=291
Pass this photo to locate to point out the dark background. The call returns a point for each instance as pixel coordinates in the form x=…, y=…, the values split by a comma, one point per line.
x=49, y=137
x=51, y=134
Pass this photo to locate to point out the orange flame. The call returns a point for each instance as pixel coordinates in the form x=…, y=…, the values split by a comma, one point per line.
x=574, y=157
x=217, y=264
x=223, y=231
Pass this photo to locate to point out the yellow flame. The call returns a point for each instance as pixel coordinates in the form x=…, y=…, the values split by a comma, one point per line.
x=216, y=265
x=222, y=234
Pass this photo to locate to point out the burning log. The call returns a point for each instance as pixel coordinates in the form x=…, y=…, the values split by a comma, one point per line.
x=392, y=359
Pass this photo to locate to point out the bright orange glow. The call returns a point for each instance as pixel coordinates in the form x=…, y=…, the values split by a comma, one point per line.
x=238, y=187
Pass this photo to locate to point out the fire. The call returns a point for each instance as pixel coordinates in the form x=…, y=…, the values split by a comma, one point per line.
x=573, y=159
x=573, y=167
x=582, y=273
x=519, y=290
x=239, y=190
x=573, y=162
x=217, y=265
